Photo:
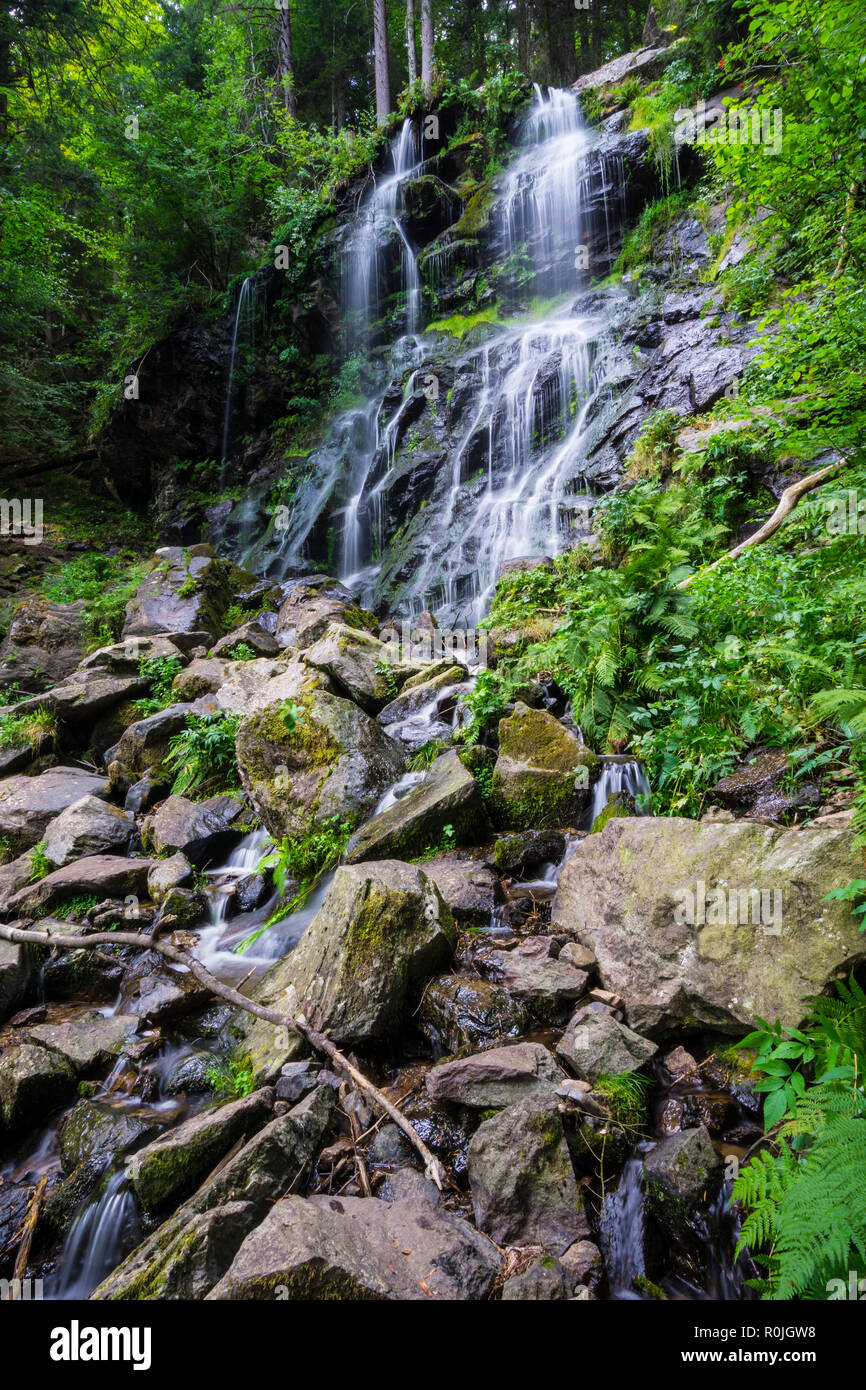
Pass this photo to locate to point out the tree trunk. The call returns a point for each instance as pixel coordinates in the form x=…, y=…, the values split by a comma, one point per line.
x=596, y=36
x=524, y=26
x=427, y=44
x=287, y=72
x=380, y=55
x=411, y=52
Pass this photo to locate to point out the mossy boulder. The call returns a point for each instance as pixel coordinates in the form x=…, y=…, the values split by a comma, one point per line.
x=33, y=1082
x=358, y=663
x=708, y=924
x=95, y=1131
x=335, y=761
x=184, y=591
x=380, y=933
x=448, y=796
x=543, y=773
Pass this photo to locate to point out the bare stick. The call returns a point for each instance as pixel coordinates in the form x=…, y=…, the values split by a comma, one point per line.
x=23, y=1256
x=318, y=1041
x=787, y=503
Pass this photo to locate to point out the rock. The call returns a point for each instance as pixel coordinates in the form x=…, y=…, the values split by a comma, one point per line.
x=184, y=591
x=335, y=762
x=88, y=826
x=470, y=889
x=312, y=606
x=16, y=972
x=204, y=676
x=99, y=875
x=646, y=63
x=583, y=1264
x=397, y=716
x=191, y=1074
x=170, y=1167
x=389, y=1148
x=756, y=787
x=595, y=1045
x=143, y=793
x=578, y=956
x=296, y=1080
x=448, y=796
x=87, y=1042
x=542, y=774
x=44, y=642
x=626, y=892
x=252, y=686
x=163, y=995
x=679, y=1172
x=514, y=854
x=381, y=931
x=358, y=663
x=502, y=1076
x=95, y=1130
x=144, y=744
x=362, y=1248
x=124, y=658
x=198, y=830
x=460, y=1011
x=545, y=1279
x=521, y=1179
x=187, y=1254
x=174, y=872
x=29, y=804
x=33, y=1082
x=251, y=635
x=86, y=695
x=542, y=982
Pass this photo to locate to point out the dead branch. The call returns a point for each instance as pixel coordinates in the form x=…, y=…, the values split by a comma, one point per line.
x=787, y=502
x=179, y=956
x=23, y=1257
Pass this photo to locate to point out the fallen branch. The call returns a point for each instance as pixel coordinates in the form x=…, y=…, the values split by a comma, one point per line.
x=299, y=1025
x=22, y=1259
x=787, y=502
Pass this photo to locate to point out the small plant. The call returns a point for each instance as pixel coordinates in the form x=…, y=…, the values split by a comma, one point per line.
x=242, y=652
x=27, y=728
x=159, y=673
x=40, y=865
x=77, y=907
x=231, y=1078
x=203, y=754
x=425, y=756
x=626, y=1096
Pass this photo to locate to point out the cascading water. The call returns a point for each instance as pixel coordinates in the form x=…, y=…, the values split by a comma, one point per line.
x=247, y=313
x=102, y=1232
x=620, y=777
x=621, y=1231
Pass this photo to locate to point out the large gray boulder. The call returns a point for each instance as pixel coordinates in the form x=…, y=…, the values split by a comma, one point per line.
x=522, y=1183
x=448, y=796
x=86, y=1042
x=190, y=1251
x=33, y=1082
x=336, y=761
x=627, y=894
x=145, y=743
x=409, y=1249
x=88, y=826
x=100, y=875
x=196, y=829
x=184, y=591
x=536, y=975
x=28, y=804
x=498, y=1077
x=43, y=643
x=249, y=687
x=381, y=931
x=470, y=888
x=358, y=663
x=95, y=1131
x=310, y=608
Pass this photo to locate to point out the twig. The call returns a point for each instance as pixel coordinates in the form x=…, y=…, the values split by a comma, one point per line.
x=23, y=1256
x=318, y=1041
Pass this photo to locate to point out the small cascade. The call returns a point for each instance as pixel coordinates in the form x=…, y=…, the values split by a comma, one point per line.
x=378, y=229
x=621, y=776
x=621, y=1231
x=247, y=314
x=102, y=1233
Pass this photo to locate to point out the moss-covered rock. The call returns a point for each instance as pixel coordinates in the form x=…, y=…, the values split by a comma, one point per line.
x=543, y=773
x=449, y=796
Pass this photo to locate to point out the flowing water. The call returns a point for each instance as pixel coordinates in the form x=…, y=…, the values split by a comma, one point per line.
x=102, y=1233
x=620, y=777
x=247, y=313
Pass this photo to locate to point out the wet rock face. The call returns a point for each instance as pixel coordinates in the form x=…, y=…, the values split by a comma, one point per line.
x=93, y=1130
x=755, y=789
x=326, y=1247
x=448, y=796
x=44, y=642
x=381, y=931
x=33, y=1081
x=542, y=774
x=185, y=591
x=461, y=1011
x=335, y=761
x=521, y=1178
x=628, y=893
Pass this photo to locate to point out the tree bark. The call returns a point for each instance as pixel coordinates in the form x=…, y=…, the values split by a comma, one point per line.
x=411, y=52
x=427, y=44
x=286, y=64
x=380, y=58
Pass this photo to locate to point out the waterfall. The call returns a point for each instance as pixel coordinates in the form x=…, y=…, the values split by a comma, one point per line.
x=246, y=312
x=377, y=229
x=621, y=1231
x=102, y=1232
x=621, y=775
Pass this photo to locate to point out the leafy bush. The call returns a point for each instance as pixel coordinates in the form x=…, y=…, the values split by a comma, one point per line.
x=202, y=756
x=105, y=583
x=159, y=672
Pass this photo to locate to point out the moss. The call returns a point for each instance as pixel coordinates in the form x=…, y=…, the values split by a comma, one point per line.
x=458, y=325
x=476, y=214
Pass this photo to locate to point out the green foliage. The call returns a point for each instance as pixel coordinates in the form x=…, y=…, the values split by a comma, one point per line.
x=159, y=672
x=298, y=863
x=27, y=728
x=231, y=1078
x=805, y=1198
x=202, y=756
x=105, y=584
x=40, y=865
x=77, y=907
x=626, y=1096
